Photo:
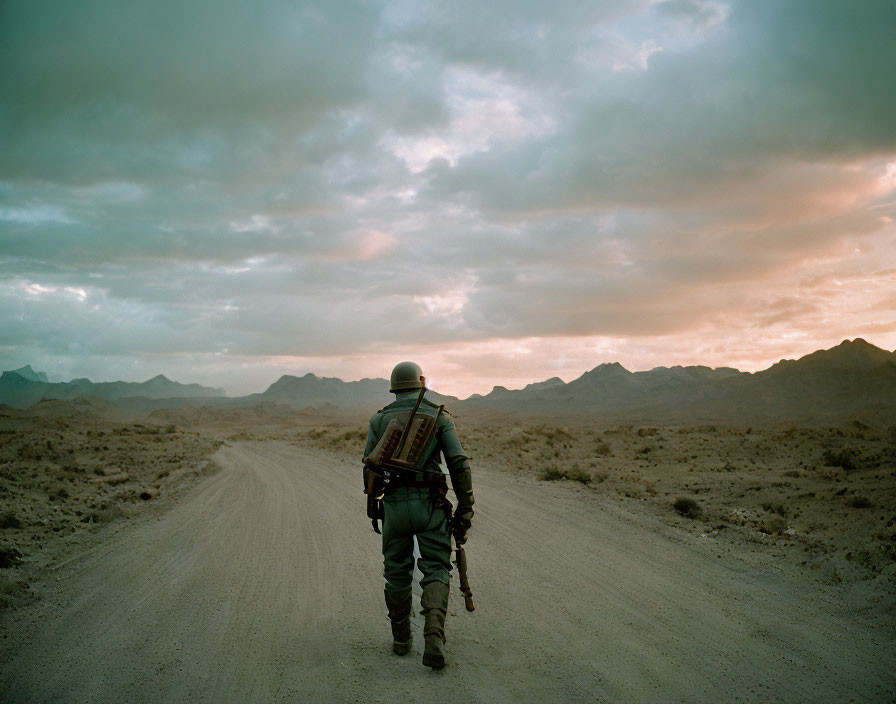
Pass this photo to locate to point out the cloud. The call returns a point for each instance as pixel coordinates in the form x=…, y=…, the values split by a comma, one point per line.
x=325, y=183
x=34, y=215
x=706, y=121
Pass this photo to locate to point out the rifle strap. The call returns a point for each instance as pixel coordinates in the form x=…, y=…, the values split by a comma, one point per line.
x=407, y=427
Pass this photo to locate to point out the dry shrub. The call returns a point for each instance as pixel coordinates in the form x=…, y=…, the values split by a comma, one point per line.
x=778, y=508
x=105, y=514
x=12, y=590
x=553, y=473
x=242, y=435
x=687, y=507
x=358, y=435
x=843, y=457
x=10, y=520
x=578, y=475
x=9, y=557
x=860, y=502
x=771, y=525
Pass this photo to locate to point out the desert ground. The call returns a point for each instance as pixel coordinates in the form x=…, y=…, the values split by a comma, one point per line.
x=211, y=555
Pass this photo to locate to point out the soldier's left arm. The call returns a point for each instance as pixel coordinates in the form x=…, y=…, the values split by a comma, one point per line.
x=371, y=443
x=458, y=466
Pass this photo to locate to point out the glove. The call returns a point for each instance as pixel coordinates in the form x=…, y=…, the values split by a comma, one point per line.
x=460, y=525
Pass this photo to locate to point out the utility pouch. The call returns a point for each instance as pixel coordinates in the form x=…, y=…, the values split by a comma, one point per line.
x=411, y=453
x=375, y=491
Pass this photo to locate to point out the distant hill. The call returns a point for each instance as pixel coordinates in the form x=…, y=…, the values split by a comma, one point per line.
x=310, y=390
x=857, y=355
x=20, y=391
x=28, y=373
x=323, y=394
x=853, y=381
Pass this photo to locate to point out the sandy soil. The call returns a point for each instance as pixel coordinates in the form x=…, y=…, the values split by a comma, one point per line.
x=822, y=499
x=66, y=476
x=263, y=584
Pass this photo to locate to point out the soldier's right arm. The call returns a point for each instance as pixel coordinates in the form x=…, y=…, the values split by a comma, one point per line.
x=461, y=482
x=459, y=471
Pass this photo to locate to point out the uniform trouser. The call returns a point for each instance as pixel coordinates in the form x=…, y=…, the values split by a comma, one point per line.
x=409, y=512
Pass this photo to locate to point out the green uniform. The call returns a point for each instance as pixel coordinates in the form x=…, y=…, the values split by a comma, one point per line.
x=409, y=511
x=414, y=506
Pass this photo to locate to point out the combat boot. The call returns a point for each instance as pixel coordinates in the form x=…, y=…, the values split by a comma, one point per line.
x=434, y=603
x=399, y=606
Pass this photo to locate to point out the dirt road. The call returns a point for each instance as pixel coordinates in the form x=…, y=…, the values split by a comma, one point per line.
x=264, y=585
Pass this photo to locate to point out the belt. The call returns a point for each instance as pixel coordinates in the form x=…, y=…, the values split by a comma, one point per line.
x=395, y=478
x=419, y=484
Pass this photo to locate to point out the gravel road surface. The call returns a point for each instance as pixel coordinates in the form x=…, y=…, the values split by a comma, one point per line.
x=264, y=585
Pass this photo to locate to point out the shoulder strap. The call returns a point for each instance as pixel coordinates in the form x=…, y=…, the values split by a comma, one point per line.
x=407, y=427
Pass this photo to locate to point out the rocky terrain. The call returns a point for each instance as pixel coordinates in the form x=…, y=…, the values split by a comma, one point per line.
x=824, y=499
x=796, y=515
x=66, y=474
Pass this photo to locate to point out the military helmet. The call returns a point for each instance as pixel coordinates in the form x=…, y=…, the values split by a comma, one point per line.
x=406, y=376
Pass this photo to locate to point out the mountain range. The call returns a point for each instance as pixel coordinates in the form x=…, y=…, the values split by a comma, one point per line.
x=315, y=391
x=28, y=373
x=24, y=387
x=852, y=381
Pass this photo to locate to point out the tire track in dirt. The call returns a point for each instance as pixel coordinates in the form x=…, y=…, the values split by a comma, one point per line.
x=264, y=585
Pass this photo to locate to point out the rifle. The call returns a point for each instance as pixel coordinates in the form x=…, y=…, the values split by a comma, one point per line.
x=460, y=561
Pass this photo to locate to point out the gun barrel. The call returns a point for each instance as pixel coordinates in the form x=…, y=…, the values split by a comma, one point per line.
x=461, y=557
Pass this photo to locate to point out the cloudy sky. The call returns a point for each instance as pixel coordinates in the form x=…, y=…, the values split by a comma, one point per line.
x=227, y=191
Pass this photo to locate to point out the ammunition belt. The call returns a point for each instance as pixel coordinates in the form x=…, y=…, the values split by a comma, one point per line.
x=393, y=478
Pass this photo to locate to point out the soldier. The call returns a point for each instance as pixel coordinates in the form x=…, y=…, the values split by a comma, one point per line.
x=406, y=487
